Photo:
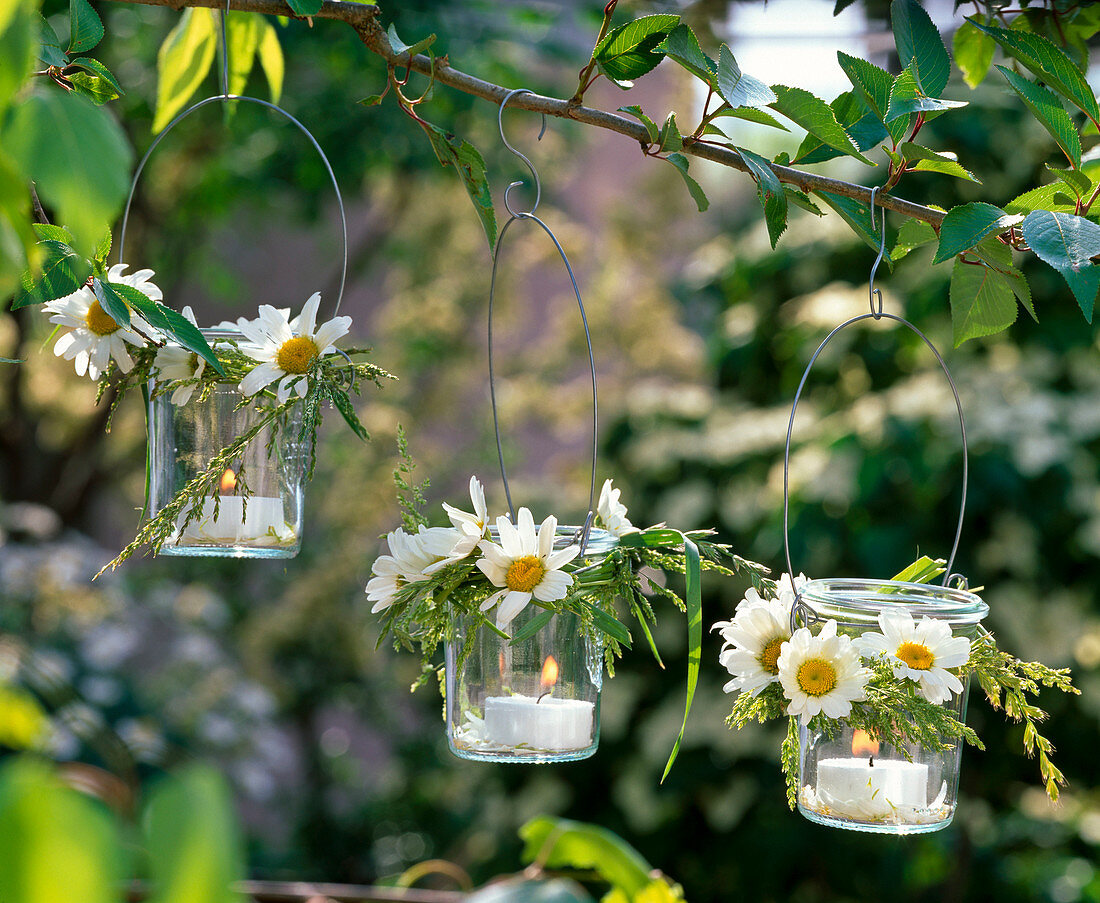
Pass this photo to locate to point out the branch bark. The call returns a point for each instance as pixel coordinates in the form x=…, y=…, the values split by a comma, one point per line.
x=364, y=19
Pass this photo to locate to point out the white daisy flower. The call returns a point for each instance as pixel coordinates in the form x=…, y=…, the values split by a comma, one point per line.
x=612, y=512
x=286, y=349
x=821, y=673
x=472, y=527
x=525, y=565
x=919, y=652
x=176, y=364
x=411, y=559
x=754, y=639
x=92, y=337
x=786, y=590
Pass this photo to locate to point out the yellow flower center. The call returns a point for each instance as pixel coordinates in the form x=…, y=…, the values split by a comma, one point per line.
x=524, y=574
x=916, y=655
x=769, y=656
x=297, y=354
x=816, y=677
x=99, y=321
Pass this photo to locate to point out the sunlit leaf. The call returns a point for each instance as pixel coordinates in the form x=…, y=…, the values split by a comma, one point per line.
x=1067, y=243
x=973, y=53
x=817, y=118
x=183, y=61
x=926, y=160
x=630, y=51
x=468, y=163
x=737, y=88
x=907, y=96
x=966, y=225
x=271, y=60
x=682, y=46
x=559, y=843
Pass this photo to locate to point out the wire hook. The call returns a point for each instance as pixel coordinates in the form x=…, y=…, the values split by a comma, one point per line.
x=874, y=293
x=522, y=156
x=225, y=52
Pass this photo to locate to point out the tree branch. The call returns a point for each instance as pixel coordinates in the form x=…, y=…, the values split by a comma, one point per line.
x=364, y=19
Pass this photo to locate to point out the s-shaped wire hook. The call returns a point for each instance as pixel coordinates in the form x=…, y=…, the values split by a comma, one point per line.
x=522, y=156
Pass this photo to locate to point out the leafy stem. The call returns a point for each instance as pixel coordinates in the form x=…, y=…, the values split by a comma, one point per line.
x=586, y=77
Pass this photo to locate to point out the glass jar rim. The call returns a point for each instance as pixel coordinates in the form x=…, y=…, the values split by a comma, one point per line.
x=859, y=600
x=600, y=541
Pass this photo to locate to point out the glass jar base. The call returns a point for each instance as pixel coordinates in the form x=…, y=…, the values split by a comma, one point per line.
x=514, y=756
x=878, y=826
x=230, y=551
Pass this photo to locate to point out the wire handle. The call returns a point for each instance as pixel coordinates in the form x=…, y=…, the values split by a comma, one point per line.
x=875, y=314
x=530, y=216
x=226, y=97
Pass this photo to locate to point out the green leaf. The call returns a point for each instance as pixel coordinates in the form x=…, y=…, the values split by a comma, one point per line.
x=1049, y=111
x=305, y=8
x=111, y=301
x=800, y=199
x=86, y=26
x=997, y=255
x=629, y=51
x=468, y=163
x=96, y=81
x=533, y=626
x=183, y=61
x=856, y=118
x=78, y=158
x=973, y=53
x=242, y=32
x=1045, y=197
x=981, y=301
x=55, y=843
x=682, y=46
x=669, y=138
x=1077, y=182
x=770, y=190
x=342, y=402
x=400, y=46
x=51, y=52
x=650, y=125
x=19, y=43
x=906, y=96
x=752, y=114
x=872, y=83
x=738, y=89
x=95, y=67
x=920, y=46
x=966, y=225
x=1047, y=61
x=1067, y=243
x=271, y=60
x=913, y=234
x=559, y=843
x=923, y=570
x=926, y=160
x=103, y=249
x=696, y=191
x=63, y=272
x=193, y=845
x=174, y=325
x=817, y=118
x=857, y=215
x=694, y=599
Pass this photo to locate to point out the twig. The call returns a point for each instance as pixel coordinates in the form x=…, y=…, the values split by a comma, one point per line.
x=364, y=19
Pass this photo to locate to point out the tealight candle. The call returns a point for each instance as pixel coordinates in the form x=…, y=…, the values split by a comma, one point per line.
x=538, y=723
x=869, y=785
x=253, y=519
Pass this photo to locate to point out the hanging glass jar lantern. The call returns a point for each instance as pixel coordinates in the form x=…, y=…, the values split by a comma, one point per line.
x=533, y=696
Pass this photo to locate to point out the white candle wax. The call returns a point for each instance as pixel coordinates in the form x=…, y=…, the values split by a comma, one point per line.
x=262, y=519
x=555, y=724
x=867, y=786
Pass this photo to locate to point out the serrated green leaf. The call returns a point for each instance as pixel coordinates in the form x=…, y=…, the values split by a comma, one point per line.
x=981, y=302
x=1042, y=198
x=174, y=325
x=1077, y=182
x=400, y=46
x=973, y=53
x=906, y=97
x=926, y=160
x=800, y=199
x=711, y=129
x=372, y=100
x=95, y=67
x=697, y=193
x=51, y=52
x=966, y=225
x=669, y=138
x=97, y=89
x=913, y=234
x=183, y=61
x=111, y=301
x=86, y=26
x=735, y=87
x=1052, y=116
x=860, y=122
x=77, y=156
x=342, y=402
x=630, y=51
x=470, y=166
x=305, y=8
x=50, y=232
x=751, y=114
x=682, y=47
x=103, y=249
x=650, y=125
x=920, y=46
x=817, y=118
x=997, y=255
x=872, y=83
x=1047, y=61
x=63, y=272
x=271, y=60
x=770, y=190
x=858, y=215
x=1067, y=243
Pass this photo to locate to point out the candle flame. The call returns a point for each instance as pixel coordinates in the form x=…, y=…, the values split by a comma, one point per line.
x=863, y=744
x=549, y=673
x=228, y=483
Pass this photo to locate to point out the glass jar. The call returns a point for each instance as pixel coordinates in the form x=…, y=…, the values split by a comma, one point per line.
x=850, y=780
x=256, y=511
x=535, y=700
